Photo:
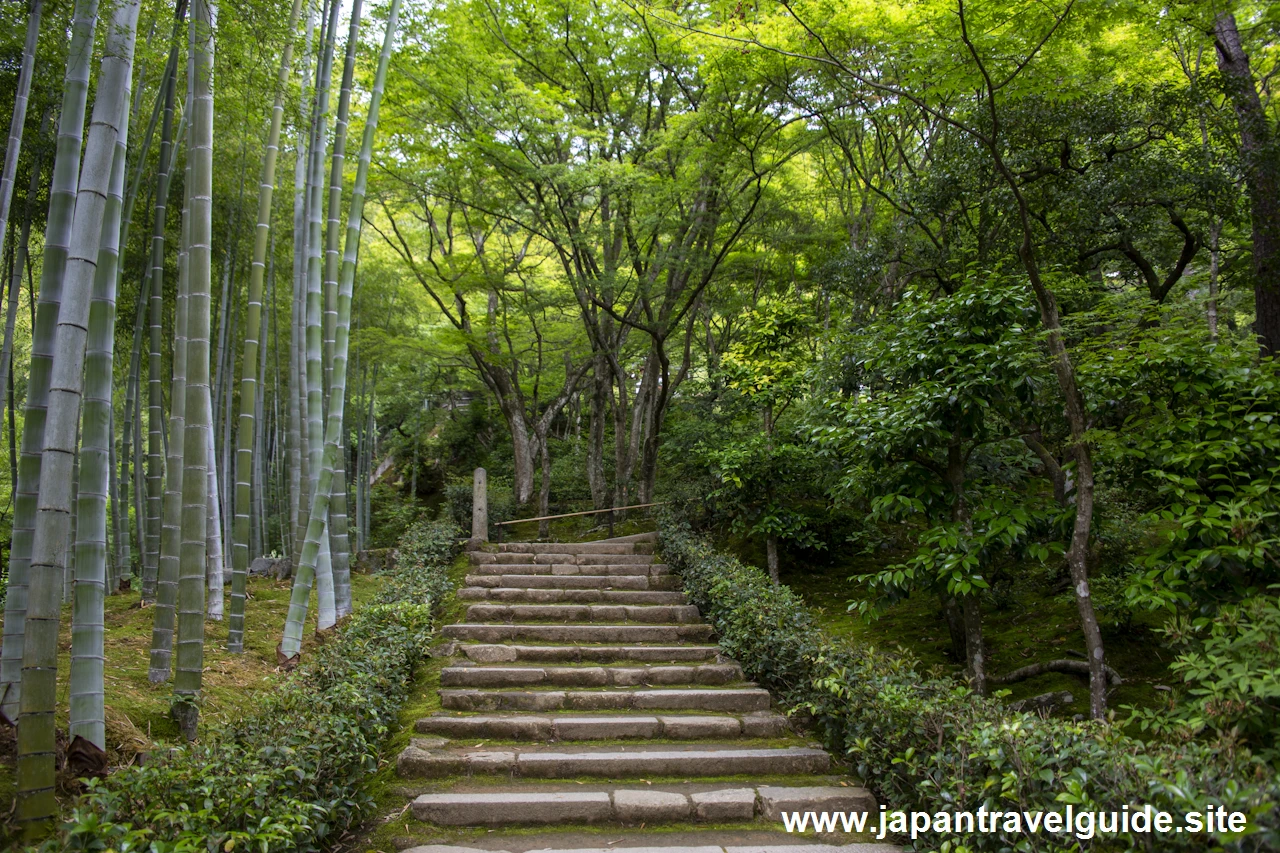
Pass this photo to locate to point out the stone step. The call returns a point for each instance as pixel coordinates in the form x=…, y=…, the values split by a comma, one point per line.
x=614, y=634
x=651, y=614
x=503, y=653
x=568, y=569
x=571, y=548
x=589, y=676
x=609, y=763
x=518, y=595
x=549, y=581
x=699, y=841
x=550, y=727
x=479, y=558
x=738, y=699
x=648, y=805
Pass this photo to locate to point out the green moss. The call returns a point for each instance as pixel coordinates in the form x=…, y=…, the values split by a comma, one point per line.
x=1030, y=626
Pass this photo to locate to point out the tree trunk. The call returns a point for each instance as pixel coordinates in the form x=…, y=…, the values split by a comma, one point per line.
x=1211, y=308
x=1074, y=409
x=596, y=479
x=37, y=805
x=62, y=202
x=1261, y=163
x=974, y=648
x=544, y=488
x=197, y=436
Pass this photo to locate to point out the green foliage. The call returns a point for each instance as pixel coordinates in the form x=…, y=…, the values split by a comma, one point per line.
x=1209, y=433
x=288, y=776
x=925, y=743
x=1231, y=666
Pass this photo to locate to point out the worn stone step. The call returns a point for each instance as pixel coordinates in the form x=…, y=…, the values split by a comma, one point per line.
x=549, y=581
x=548, y=727
x=516, y=595
x=701, y=841
x=510, y=653
x=485, y=558
x=486, y=633
x=621, y=699
x=640, y=805
x=651, y=569
x=635, y=762
x=603, y=547
x=589, y=676
x=652, y=614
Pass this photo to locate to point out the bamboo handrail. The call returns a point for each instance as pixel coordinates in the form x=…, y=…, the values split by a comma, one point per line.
x=572, y=514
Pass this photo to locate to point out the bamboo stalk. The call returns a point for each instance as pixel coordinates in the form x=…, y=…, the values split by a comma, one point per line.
x=62, y=200
x=291, y=644
x=198, y=436
x=87, y=689
x=37, y=805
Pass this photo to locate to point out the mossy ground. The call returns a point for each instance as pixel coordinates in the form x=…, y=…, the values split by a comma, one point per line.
x=1022, y=626
x=137, y=711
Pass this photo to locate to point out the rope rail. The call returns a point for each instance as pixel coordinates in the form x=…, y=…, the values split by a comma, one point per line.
x=572, y=514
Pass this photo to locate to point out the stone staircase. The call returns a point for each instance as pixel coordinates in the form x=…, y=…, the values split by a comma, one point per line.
x=583, y=689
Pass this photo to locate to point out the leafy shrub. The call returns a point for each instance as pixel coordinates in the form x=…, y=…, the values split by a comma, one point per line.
x=926, y=743
x=289, y=776
x=1231, y=666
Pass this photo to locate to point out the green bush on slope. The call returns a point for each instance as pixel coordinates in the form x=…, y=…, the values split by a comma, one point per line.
x=927, y=744
x=289, y=777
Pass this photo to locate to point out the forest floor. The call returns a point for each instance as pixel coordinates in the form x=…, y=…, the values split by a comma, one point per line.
x=137, y=711
x=1024, y=627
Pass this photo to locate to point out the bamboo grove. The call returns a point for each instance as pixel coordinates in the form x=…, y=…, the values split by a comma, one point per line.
x=218, y=436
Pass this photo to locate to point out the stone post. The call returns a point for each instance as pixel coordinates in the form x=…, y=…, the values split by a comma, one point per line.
x=480, y=509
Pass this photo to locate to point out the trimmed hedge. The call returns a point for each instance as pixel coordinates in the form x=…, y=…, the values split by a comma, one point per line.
x=924, y=743
x=289, y=777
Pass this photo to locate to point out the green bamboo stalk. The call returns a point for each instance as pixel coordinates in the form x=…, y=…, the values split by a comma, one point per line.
x=125, y=558
x=339, y=541
x=155, y=364
x=36, y=803
x=297, y=373
x=57, y=236
x=340, y=536
x=119, y=512
x=20, y=258
x=215, y=569
x=171, y=518
x=198, y=435
x=333, y=234
x=88, y=713
x=126, y=437
x=291, y=644
x=327, y=610
x=19, y=118
x=253, y=325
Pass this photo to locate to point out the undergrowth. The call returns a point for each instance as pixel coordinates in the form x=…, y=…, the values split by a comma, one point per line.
x=926, y=743
x=291, y=774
